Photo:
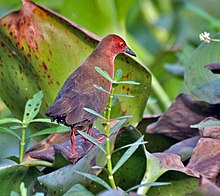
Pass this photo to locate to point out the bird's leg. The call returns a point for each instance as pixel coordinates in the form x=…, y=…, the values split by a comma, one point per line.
x=73, y=140
x=90, y=131
x=99, y=140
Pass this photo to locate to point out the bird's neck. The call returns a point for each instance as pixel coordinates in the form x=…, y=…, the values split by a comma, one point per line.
x=105, y=61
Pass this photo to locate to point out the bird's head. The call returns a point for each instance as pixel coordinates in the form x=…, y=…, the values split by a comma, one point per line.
x=115, y=45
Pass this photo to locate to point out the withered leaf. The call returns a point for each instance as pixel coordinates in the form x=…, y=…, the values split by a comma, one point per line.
x=206, y=158
x=183, y=112
x=213, y=67
x=60, y=143
x=211, y=131
x=173, y=162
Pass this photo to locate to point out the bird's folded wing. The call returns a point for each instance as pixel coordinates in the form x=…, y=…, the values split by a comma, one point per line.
x=72, y=108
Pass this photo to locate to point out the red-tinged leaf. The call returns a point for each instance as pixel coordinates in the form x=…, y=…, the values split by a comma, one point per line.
x=39, y=49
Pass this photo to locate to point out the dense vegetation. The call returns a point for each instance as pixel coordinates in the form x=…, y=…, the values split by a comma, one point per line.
x=164, y=142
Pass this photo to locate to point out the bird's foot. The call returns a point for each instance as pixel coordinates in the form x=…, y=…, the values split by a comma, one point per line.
x=99, y=140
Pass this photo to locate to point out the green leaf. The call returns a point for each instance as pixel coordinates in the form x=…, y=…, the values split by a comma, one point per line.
x=129, y=145
x=104, y=74
x=154, y=169
x=127, y=154
x=14, y=158
x=98, y=167
x=57, y=129
x=180, y=184
x=78, y=190
x=98, y=125
x=101, y=89
x=21, y=174
x=91, y=139
x=118, y=125
x=23, y=189
x=10, y=120
x=94, y=113
x=32, y=107
x=42, y=120
x=118, y=75
x=127, y=175
x=148, y=184
x=123, y=117
x=8, y=131
x=201, y=82
x=127, y=82
x=95, y=179
x=206, y=124
x=16, y=127
x=64, y=178
x=124, y=95
x=13, y=193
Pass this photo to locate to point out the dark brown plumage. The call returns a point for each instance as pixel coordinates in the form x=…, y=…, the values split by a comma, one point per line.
x=78, y=90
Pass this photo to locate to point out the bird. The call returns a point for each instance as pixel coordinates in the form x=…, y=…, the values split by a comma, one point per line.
x=79, y=91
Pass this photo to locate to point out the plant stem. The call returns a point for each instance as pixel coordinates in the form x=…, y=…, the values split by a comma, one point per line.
x=22, y=143
x=108, y=144
x=37, y=163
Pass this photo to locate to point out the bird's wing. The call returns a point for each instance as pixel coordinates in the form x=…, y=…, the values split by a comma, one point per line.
x=78, y=116
x=72, y=108
x=77, y=93
x=70, y=103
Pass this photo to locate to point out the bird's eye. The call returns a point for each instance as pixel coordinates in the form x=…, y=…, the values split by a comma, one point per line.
x=121, y=44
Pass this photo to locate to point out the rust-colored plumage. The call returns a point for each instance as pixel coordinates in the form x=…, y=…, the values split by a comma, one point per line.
x=78, y=91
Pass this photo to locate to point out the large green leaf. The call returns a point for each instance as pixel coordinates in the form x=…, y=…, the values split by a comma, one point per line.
x=181, y=184
x=201, y=82
x=61, y=180
x=12, y=176
x=78, y=190
x=39, y=49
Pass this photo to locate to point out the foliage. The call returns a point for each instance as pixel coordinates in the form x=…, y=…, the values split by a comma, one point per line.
x=32, y=108
x=163, y=34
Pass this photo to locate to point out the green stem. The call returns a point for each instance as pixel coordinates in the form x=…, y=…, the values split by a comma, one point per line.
x=22, y=143
x=37, y=163
x=108, y=144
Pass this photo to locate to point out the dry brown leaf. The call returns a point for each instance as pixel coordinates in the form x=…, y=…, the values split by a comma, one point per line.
x=60, y=143
x=209, y=188
x=213, y=67
x=173, y=161
x=183, y=112
x=212, y=131
x=206, y=158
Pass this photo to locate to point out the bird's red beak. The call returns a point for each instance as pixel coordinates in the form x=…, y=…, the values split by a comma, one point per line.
x=129, y=51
